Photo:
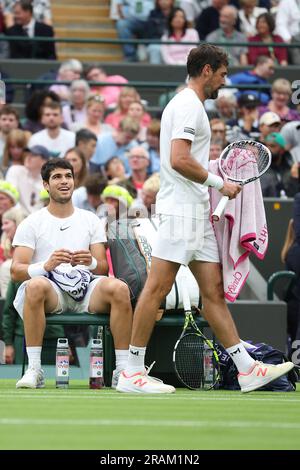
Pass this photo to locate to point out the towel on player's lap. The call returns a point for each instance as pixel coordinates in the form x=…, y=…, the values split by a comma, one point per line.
x=74, y=280
x=242, y=229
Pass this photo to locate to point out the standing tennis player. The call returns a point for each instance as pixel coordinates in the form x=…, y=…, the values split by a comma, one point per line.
x=185, y=234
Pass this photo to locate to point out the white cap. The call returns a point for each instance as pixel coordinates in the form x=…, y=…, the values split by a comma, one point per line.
x=269, y=118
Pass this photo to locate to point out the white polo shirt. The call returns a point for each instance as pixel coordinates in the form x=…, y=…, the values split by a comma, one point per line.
x=183, y=118
x=45, y=233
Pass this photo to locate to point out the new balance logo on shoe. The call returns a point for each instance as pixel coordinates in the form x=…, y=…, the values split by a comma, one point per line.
x=235, y=352
x=140, y=382
x=261, y=372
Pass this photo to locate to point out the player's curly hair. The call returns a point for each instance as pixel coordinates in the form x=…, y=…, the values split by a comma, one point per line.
x=52, y=164
x=205, y=54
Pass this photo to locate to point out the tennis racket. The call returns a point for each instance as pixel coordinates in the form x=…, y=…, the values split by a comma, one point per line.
x=195, y=360
x=242, y=162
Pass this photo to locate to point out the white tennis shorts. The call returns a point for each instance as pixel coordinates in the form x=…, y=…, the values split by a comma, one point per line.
x=183, y=240
x=65, y=303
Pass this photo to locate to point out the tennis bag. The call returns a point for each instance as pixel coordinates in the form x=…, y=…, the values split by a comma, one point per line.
x=130, y=242
x=260, y=352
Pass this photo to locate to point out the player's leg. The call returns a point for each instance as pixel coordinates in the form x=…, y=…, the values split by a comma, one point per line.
x=252, y=374
x=158, y=285
x=215, y=310
x=112, y=295
x=39, y=297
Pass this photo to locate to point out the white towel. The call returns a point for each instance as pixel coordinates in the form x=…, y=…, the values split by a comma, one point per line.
x=74, y=280
x=242, y=229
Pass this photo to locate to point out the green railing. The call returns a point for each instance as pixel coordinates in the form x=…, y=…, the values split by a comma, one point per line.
x=133, y=83
x=142, y=41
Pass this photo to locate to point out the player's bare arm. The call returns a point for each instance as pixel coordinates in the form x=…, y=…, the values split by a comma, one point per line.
x=183, y=162
x=22, y=259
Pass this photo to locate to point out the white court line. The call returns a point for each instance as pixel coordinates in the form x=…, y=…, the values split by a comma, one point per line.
x=98, y=396
x=150, y=423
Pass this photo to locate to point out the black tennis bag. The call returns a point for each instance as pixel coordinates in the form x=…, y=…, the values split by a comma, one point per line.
x=130, y=243
x=260, y=352
x=129, y=264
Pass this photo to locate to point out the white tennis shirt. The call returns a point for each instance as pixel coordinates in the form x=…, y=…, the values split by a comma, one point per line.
x=45, y=233
x=183, y=118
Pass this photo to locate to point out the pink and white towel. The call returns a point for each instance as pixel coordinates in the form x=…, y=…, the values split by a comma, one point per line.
x=242, y=229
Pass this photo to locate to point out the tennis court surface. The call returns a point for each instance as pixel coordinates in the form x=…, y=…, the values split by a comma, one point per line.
x=79, y=418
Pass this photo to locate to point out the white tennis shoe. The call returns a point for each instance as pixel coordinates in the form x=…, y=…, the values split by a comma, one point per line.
x=261, y=374
x=33, y=378
x=141, y=382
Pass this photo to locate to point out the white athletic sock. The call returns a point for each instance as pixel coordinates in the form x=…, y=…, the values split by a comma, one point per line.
x=136, y=360
x=121, y=358
x=248, y=346
x=34, y=356
x=240, y=357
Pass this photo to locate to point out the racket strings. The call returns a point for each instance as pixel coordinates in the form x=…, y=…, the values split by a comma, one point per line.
x=244, y=160
x=191, y=361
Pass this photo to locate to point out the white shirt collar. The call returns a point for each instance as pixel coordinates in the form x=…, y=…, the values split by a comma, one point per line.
x=30, y=28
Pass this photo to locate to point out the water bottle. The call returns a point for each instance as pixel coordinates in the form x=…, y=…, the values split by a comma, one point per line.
x=96, y=364
x=62, y=363
x=208, y=367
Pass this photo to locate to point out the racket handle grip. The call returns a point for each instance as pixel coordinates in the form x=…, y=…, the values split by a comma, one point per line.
x=219, y=209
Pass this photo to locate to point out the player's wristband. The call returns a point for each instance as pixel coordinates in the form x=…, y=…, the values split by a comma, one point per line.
x=214, y=181
x=37, y=269
x=93, y=264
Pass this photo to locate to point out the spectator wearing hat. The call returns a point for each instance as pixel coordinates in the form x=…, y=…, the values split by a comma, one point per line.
x=246, y=125
x=116, y=201
x=9, y=196
x=139, y=161
x=27, y=178
x=268, y=122
x=278, y=180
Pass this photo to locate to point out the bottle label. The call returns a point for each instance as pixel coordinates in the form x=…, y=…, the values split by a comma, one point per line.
x=208, y=366
x=96, y=367
x=62, y=366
